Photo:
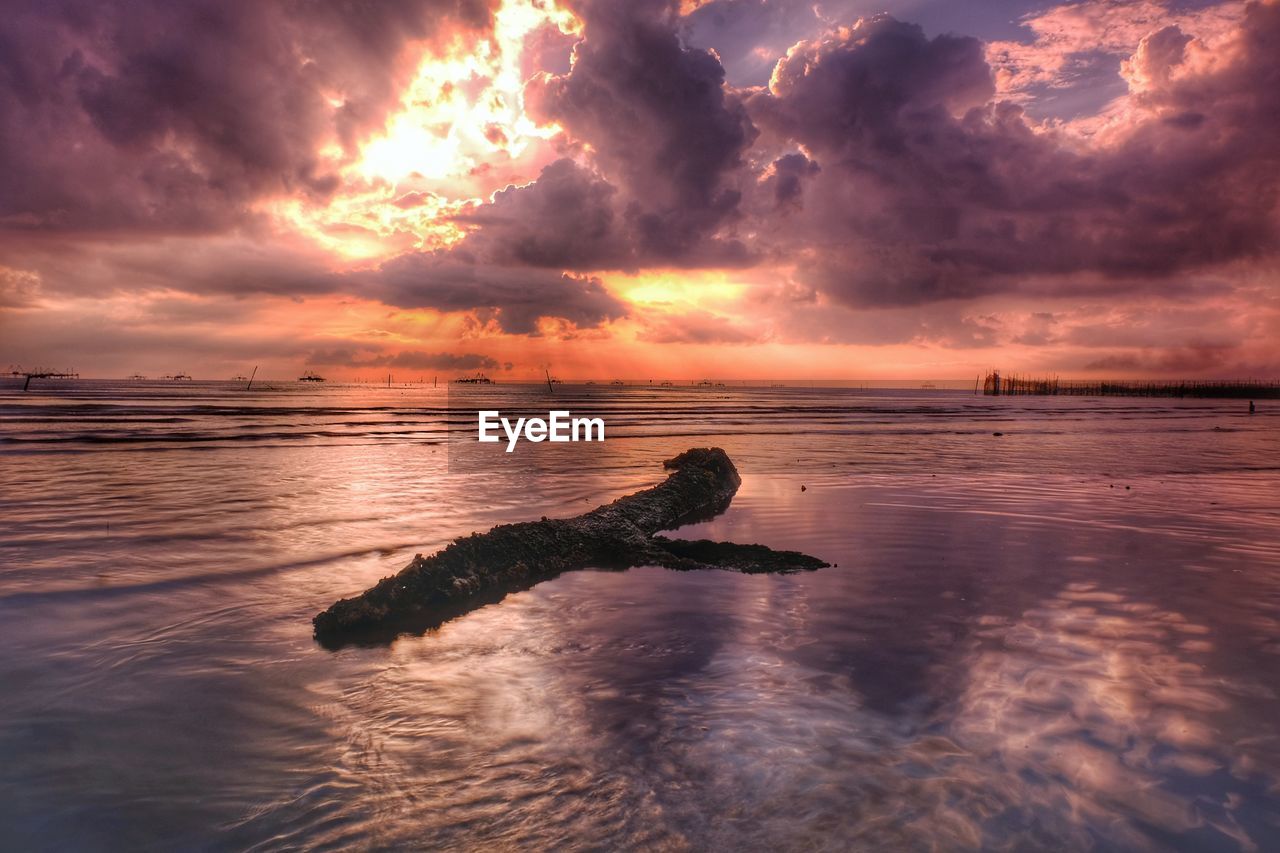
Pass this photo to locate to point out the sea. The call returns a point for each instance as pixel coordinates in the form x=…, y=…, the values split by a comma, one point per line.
x=1049, y=623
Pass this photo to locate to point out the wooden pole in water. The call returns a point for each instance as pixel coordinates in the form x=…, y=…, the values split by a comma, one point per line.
x=551, y=388
x=251, y=376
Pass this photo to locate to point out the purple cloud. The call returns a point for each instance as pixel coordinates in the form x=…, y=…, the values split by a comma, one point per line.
x=928, y=193
x=660, y=121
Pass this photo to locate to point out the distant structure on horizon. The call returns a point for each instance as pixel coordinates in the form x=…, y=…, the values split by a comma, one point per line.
x=995, y=385
x=311, y=377
x=478, y=379
x=40, y=373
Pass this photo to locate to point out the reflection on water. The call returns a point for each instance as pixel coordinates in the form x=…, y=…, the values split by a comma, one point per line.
x=1122, y=707
x=999, y=660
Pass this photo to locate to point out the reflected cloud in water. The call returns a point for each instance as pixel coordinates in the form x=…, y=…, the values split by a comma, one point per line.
x=999, y=659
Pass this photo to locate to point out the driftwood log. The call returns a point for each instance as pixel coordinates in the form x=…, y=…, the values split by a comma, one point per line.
x=483, y=567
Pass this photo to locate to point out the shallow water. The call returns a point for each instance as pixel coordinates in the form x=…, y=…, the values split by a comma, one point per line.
x=1065, y=637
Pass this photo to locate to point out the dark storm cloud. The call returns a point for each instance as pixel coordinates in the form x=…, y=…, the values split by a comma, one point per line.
x=857, y=89
x=929, y=193
x=659, y=121
x=564, y=219
x=172, y=116
x=520, y=296
x=786, y=178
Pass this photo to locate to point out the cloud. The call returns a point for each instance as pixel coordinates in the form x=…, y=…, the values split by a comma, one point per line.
x=659, y=121
x=907, y=189
x=1070, y=65
x=785, y=178
x=1038, y=330
x=98, y=343
x=232, y=265
x=930, y=194
x=519, y=296
x=858, y=88
x=749, y=36
x=237, y=267
x=18, y=288
x=565, y=219
x=146, y=115
x=1190, y=360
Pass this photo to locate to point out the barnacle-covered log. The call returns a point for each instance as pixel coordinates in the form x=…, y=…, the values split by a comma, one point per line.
x=471, y=571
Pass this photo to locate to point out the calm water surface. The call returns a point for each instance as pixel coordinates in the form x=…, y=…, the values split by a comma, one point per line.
x=1064, y=637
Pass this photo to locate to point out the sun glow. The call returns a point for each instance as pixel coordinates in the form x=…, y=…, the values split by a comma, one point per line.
x=683, y=289
x=374, y=223
x=466, y=108
x=459, y=134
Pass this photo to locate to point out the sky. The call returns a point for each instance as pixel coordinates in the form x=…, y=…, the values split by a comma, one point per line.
x=762, y=189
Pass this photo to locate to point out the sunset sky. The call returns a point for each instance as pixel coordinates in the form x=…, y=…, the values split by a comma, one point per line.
x=636, y=188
